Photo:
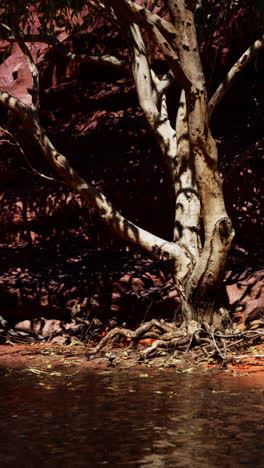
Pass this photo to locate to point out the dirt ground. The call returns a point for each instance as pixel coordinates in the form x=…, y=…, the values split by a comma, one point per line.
x=38, y=358
x=246, y=296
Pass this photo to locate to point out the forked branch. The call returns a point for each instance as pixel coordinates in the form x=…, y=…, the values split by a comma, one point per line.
x=161, y=30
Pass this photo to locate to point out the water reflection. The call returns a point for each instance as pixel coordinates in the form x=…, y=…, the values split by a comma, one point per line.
x=119, y=420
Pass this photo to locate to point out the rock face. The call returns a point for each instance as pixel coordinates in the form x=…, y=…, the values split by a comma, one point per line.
x=39, y=326
x=246, y=292
x=15, y=76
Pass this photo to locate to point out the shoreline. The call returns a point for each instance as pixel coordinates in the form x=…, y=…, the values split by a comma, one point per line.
x=54, y=359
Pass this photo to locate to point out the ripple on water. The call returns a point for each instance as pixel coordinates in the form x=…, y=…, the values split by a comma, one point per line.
x=167, y=420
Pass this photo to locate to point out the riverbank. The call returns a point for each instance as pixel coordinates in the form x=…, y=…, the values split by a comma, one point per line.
x=57, y=361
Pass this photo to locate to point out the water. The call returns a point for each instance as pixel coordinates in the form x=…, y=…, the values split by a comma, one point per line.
x=121, y=419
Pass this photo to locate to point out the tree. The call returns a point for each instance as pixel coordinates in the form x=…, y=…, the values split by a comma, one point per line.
x=198, y=249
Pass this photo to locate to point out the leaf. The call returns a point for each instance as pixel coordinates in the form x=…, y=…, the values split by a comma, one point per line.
x=9, y=342
x=34, y=370
x=126, y=355
x=185, y=371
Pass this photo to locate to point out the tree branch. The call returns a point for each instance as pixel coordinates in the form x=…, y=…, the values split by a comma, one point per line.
x=224, y=87
x=163, y=32
x=32, y=66
x=137, y=14
x=25, y=50
x=154, y=109
x=105, y=60
x=171, y=55
x=128, y=231
x=142, y=76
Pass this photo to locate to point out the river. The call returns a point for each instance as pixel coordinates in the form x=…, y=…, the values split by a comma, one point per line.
x=122, y=419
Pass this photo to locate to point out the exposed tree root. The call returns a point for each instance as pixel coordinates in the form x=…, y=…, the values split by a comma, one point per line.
x=169, y=332
x=171, y=339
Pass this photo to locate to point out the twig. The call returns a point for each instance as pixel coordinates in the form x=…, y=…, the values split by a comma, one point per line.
x=248, y=356
x=217, y=348
x=105, y=60
x=238, y=335
x=235, y=343
x=16, y=143
x=191, y=340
